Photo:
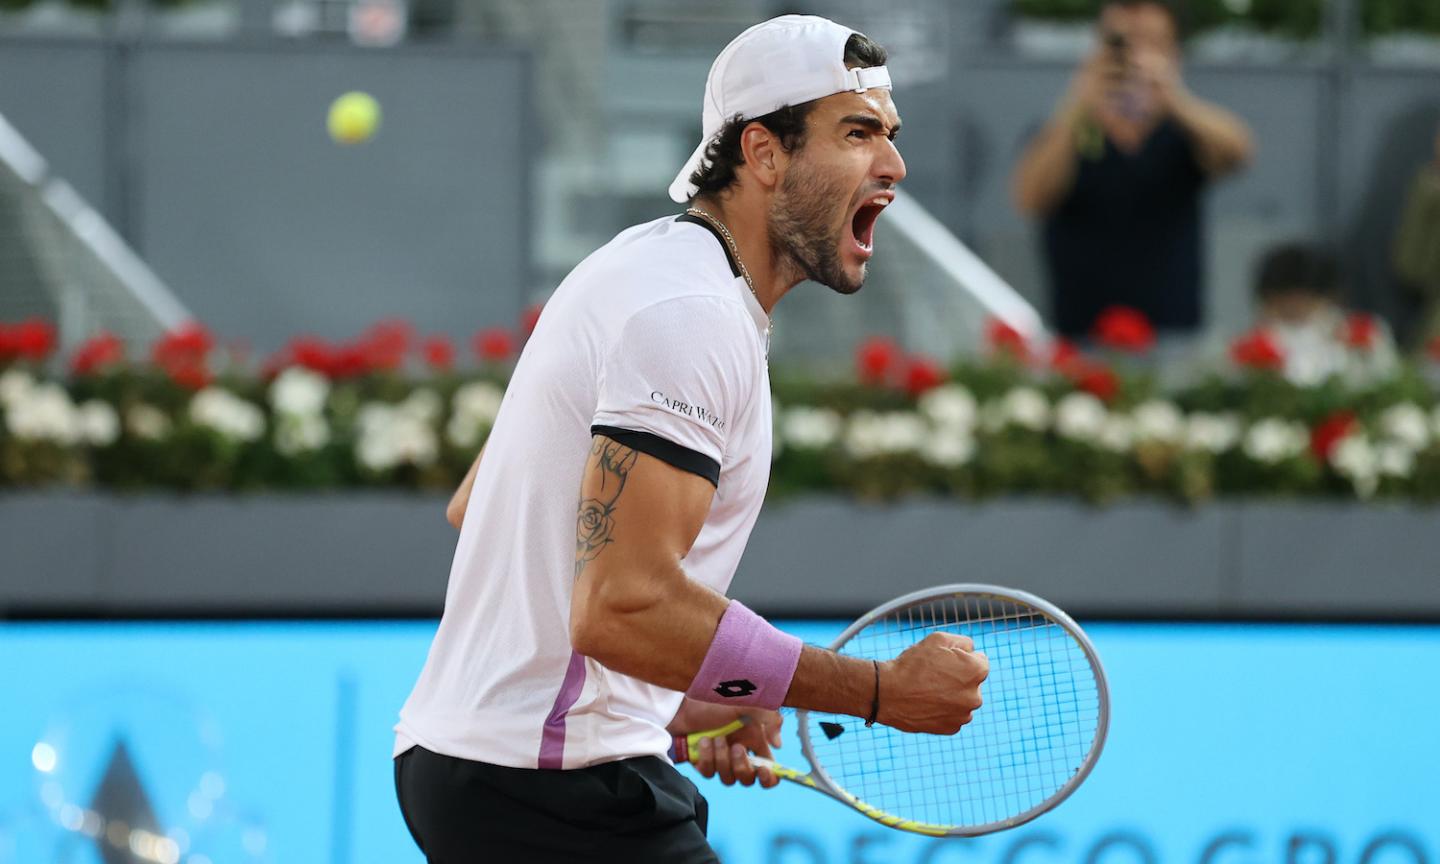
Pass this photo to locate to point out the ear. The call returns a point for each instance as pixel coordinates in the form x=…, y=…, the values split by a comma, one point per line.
x=764, y=157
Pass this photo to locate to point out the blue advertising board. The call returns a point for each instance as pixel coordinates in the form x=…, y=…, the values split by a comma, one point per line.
x=212, y=743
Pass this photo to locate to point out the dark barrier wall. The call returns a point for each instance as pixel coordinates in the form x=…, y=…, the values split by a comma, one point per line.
x=214, y=161
x=389, y=553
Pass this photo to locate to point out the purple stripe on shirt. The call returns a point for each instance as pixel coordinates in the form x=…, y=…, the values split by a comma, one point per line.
x=552, y=737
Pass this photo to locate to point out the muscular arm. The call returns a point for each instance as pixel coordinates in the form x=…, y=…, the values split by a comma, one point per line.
x=1221, y=139
x=455, y=510
x=636, y=611
x=1047, y=169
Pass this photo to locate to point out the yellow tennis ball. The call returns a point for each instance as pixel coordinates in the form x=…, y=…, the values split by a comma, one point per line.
x=354, y=117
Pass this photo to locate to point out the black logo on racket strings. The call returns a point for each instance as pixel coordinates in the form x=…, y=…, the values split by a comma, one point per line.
x=738, y=687
x=831, y=730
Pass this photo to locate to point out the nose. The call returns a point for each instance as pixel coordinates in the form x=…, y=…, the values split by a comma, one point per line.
x=890, y=166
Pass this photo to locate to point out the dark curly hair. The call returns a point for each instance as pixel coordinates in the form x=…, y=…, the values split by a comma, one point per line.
x=723, y=154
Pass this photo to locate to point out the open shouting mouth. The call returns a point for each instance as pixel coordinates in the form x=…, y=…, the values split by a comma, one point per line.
x=862, y=223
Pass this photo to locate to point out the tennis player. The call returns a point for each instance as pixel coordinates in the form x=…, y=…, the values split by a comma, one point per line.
x=574, y=646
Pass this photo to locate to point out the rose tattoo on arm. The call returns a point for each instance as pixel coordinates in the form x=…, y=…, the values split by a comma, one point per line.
x=610, y=464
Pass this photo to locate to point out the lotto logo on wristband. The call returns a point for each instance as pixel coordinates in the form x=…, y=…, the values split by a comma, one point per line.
x=734, y=689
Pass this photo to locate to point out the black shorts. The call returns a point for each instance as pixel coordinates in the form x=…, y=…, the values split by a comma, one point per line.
x=634, y=810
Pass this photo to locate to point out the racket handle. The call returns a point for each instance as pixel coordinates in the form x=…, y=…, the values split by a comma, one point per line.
x=687, y=747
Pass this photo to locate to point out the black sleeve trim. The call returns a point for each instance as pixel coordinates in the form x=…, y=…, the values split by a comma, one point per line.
x=666, y=451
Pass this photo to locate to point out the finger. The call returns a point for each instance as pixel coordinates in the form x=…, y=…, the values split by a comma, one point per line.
x=955, y=640
x=779, y=720
x=741, y=765
x=706, y=763
x=768, y=780
x=722, y=764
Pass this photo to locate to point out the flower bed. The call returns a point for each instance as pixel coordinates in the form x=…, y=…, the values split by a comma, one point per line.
x=391, y=410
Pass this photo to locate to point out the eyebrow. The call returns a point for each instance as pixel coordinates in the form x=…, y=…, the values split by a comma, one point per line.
x=870, y=121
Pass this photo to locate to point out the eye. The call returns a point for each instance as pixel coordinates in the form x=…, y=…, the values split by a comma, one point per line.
x=862, y=134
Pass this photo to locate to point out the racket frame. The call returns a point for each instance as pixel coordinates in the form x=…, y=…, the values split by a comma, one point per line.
x=818, y=779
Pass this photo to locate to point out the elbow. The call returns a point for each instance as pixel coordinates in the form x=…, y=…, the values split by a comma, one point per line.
x=607, y=616
x=455, y=514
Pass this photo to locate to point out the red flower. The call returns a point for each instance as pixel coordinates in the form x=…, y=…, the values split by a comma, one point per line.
x=1433, y=348
x=530, y=317
x=877, y=359
x=1096, y=379
x=1330, y=432
x=33, y=340
x=494, y=345
x=191, y=377
x=310, y=352
x=97, y=354
x=1004, y=339
x=184, y=355
x=385, y=344
x=1360, y=331
x=1257, y=350
x=351, y=361
x=439, y=353
x=1064, y=354
x=922, y=374
x=1124, y=329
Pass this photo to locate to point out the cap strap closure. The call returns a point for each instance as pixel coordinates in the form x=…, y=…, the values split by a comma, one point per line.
x=867, y=78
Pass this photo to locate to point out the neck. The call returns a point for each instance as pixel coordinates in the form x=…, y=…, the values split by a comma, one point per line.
x=771, y=273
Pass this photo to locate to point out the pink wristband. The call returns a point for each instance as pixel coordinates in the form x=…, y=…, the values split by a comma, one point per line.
x=749, y=662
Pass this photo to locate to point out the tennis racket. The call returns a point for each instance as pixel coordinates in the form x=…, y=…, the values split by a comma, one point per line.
x=1036, y=738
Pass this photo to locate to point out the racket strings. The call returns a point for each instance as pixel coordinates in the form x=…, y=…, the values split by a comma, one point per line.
x=1034, y=732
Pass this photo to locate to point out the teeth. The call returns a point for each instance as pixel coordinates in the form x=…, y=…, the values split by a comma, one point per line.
x=880, y=202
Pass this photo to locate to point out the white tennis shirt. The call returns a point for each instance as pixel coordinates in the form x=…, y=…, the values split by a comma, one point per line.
x=654, y=334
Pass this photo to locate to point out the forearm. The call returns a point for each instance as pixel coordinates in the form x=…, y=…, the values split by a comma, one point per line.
x=659, y=633
x=1047, y=169
x=1221, y=139
x=455, y=510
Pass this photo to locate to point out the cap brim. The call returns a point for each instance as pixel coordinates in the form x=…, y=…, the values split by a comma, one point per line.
x=681, y=190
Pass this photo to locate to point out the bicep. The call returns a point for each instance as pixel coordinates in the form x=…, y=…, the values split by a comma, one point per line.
x=638, y=517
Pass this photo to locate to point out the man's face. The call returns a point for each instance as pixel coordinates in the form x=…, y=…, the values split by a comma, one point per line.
x=1143, y=29
x=835, y=186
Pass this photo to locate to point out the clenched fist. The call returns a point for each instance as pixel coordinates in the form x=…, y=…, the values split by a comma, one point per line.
x=934, y=686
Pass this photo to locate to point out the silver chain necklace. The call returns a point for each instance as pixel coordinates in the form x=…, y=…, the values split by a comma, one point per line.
x=735, y=254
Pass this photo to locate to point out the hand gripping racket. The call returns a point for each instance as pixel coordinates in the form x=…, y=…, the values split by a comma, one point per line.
x=1036, y=738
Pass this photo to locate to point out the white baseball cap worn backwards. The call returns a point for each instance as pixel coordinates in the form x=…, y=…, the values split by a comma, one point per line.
x=783, y=61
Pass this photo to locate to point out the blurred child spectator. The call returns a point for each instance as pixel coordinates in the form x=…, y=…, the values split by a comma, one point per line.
x=1417, y=245
x=1117, y=175
x=1300, y=315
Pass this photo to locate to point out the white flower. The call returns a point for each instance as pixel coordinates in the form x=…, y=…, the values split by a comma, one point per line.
x=810, y=428
x=227, y=414
x=948, y=447
x=1160, y=421
x=299, y=433
x=1027, y=407
x=44, y=412
x=99, y=424
x=1356, y=460
x=949, y=405
x=1211, y=433
x=1435, y=421
x=393, y=435
x=423, y=404
x=1118, y=434
x=1406, y=424
x=1394, y=459
x=473, y=410
x=870, y=434
x=1273, y=440
x=147, y=422
x=479, y=400
x=15, y=385
x=299, y=391
x=1080, y=416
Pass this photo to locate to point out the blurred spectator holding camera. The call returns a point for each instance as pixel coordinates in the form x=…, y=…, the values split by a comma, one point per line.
x=1417, y=245
x=1117, y=175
